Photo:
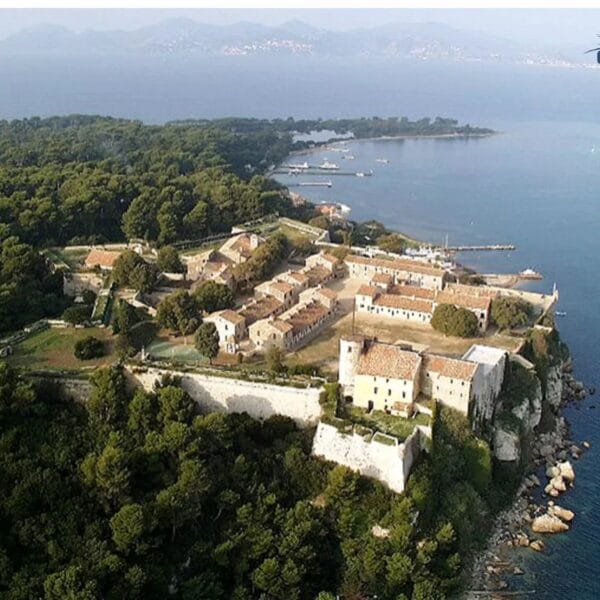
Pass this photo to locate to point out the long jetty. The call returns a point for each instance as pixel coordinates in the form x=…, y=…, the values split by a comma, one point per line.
x=485, y=247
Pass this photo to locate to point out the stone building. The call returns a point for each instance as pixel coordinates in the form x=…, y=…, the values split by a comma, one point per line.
x=239, y=248
x=372, y=300
x=392, y=378
x=104, y=259
x=402, y=270
x=231, y=328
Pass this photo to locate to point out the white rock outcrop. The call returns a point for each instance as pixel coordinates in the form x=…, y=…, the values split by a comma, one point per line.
x=548, y=524
x=507, y=445
x=564, y=514
x=566, y=471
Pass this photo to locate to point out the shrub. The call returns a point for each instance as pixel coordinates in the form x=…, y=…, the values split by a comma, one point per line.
x=89, y=297
x=510, y=312
x=207, y=340
x=168, y=260
x=451, y=320
x=275, y=358
x=78, y=314
x=392, y=242
x=211, y=296
x=89, y=347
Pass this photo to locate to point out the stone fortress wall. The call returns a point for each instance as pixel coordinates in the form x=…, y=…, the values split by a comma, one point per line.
x=259, y=400
x=389, y=462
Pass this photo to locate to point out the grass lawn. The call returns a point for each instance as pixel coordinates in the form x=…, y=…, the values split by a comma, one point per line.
x=380, y=421
x=53, y=349
x=73, y=258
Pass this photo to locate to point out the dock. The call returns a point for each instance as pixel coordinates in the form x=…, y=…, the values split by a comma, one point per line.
x=482, y=248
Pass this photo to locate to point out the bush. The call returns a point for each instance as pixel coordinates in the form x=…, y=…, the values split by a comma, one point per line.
x=274, y=358
x=78, y=314
x=89, y=297
x=168, y=260
x=451, y=320
x=392, y=242
x=508, y=312
x=211, y=296
x=89, y=347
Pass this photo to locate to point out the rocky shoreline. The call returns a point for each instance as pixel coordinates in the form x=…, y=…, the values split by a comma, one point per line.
x=534, y=513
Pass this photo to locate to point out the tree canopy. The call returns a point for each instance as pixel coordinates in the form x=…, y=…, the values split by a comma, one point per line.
x=207, y=340
x=508, y=312
x=178, y=311
x=211, y=296
x=452, y=320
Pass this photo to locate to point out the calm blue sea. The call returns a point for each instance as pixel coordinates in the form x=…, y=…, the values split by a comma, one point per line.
x=537, y=185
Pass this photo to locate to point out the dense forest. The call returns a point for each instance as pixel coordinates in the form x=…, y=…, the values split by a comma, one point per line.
x=138, y=495
x=93, y=179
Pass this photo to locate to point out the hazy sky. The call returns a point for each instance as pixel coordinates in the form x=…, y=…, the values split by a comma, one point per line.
x=553, y=26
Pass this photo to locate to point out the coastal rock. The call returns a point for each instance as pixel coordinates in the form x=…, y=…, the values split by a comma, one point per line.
x=548, y=524
x=566, y=471
x=507, y=445
x=537, y=545
x=552, y=471
x=586, y=445
x=546, y=450
x=563, y=514
x=558, y=483
x=534, y=480
x=554, y=386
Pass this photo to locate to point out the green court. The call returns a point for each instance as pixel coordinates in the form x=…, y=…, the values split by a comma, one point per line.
x=164, y=350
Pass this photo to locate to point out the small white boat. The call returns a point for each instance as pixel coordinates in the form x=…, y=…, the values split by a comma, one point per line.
x=560, y=313
x=364, y=174
x=328, y=166
x=303, y=165
x=530, y=274
x=384, y=161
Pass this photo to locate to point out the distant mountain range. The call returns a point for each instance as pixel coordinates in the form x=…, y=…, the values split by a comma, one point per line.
x=425, y=41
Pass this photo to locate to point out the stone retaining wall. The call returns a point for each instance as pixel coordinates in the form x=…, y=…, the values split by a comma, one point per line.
x=390, y=464
x=259, y=400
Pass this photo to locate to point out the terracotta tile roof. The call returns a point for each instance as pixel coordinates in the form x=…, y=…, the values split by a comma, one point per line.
x=367, y=290
x=382, y=278
x=464, y=300
x=386, y=360
x=282, y=286
x=101, y=258
x=449, y=367
x=397, y=264
x=317, y=274
x=404, y=302
x=307, y=316
x=413, y=291
x=231, y=316
x=216, y=267
x=327, y=293
x=282, y=326
x=260, y=309
x=330, y=258
x=296, y=276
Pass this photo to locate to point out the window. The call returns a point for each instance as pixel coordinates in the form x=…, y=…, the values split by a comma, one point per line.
x=403, y=394
x=349, y=349
x=389, y=392
x=375, y=390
